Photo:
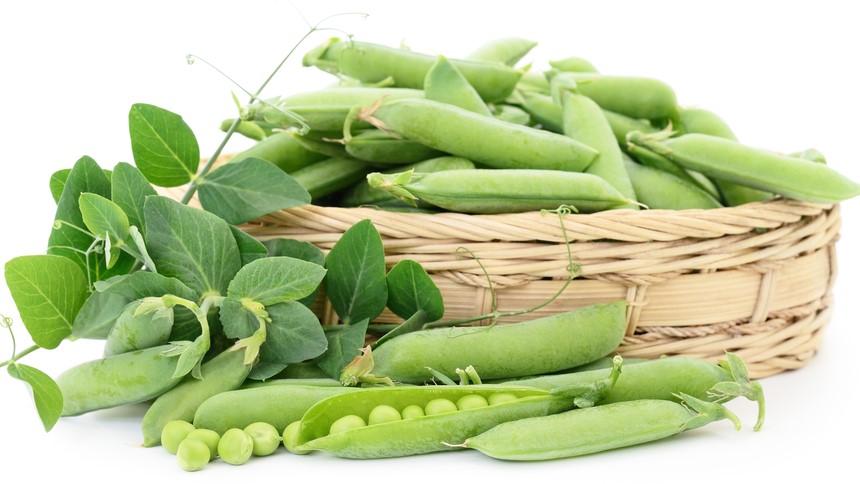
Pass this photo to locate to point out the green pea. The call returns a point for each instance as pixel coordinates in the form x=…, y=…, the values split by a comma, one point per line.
x=208, y=437
x=439, y=406
x=468, y=402
x=383, y=414
x=498, y=398
x=412, y=411
x=265, y=436
x=192, y=454
x=291, y=438
x=173, y=433
x=347, y=422
x=235, y=447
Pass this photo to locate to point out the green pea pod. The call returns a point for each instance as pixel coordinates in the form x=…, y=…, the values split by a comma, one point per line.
x=445, y=84
x=482, y=139
x=658, y=189
x=573, y=64
x=132, y=377
x=363, y=194
x=372, y=63
x=636, y=97
x=428, y=432
x=281, y=149
x=503, y=191
x=277, y=403
x=511, y=114
x=380, y=148
x=137, y=329
x=542, y=345
x=324, y=143
x=223, y=373
x=326, y=109
x=330, y=175
x=507, y=50
x=584, y=120
x=532, y=82
x=694, y=120
x=728, y=160
x=543, y=110
x=589, y=430
x=621, y=125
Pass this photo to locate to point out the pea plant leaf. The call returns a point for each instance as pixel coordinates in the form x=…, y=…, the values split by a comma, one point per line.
x=414, y=323
x=275, y=280
x=58, y=182
x=129, y=190
x=263, y=370
x=410, y=289
x=70, y=237
x=49, y=291
x=236, y=321
x=164, y=147
x=343, y=346
x=293, y=335
x=299, y=250
x=194, y=246
x=242, y=191
x=107, y=221
x=103, y=307
x=250, y=249
x=46, y=393
x=355, y=281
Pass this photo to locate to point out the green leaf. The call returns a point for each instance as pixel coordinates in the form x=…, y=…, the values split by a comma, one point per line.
x=58, y=182
x=129, y=190
x=103, y=307
x=343, y=346
x=263, y=370
x=250, y=248
x=410, y=289
x=164, y=147
x=275, y=280
x=191, y=358
x=242, y=191
x=49, y=291
x=191, y=245
x=414, y=323
x=298, y=250
x=294, y=335
x=107, y=220
x=236, y=321
x=46, y=393
x=69, y=237
x=355, y=282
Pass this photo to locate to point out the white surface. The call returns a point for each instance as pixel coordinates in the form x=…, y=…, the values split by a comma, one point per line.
x=784, y=76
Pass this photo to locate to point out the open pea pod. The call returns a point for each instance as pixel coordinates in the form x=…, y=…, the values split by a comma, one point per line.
x=421, y=434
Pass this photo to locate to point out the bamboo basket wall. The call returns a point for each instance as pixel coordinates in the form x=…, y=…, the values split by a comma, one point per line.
x=754, y=279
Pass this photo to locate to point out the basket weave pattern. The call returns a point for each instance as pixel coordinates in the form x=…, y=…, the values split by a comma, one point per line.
x=754, y=279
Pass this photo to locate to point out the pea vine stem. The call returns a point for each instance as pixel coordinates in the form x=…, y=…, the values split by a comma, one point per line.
x=6, y=322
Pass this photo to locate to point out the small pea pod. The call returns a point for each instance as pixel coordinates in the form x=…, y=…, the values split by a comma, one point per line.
x=584, y=120
x=372, y=63
x=658, y=189
x=376, y=428
x=277, y=403
x=326, y=109
x=731, y=161
x=281, y=149
x=636, y=97
x=445, y=84
x=139, y=327
x=502, y=191
x=118, y=380
x=539, y=346
x=330, y=175
x=380, y=148
x=589, y=430
x=530, y=82
x=573, y=64
x=507, y=50
x=223, y=373
x=482, y=139
x=511, y=114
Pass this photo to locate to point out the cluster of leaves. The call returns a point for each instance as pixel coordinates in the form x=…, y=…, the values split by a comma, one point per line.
x=136, y=269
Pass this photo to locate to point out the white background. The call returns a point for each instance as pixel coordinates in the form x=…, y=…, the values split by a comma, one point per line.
x=783, y=74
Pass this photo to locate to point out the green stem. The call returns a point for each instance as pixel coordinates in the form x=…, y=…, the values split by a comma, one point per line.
x=20, y=355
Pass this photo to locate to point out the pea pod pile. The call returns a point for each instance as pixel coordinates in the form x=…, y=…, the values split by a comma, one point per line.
x=567, y=136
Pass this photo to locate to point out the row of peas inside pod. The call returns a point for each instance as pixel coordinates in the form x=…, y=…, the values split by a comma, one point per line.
x=405, y=131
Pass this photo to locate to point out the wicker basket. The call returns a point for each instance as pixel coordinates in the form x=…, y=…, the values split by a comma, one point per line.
x=754, y=279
